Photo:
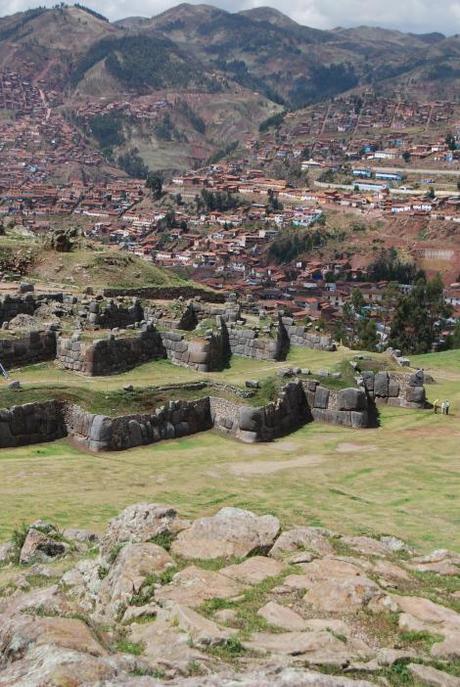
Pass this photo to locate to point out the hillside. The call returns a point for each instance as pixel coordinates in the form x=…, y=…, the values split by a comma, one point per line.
x=184, y=84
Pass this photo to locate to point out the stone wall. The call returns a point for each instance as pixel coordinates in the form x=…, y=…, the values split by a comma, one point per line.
x=34, y=347
x=31, y=423
x=102, y=433
x=249, y=343
x=298, y=402
x=202, y=354
x=396, y=389
x=110, y=315
x=346, y=407
x=251, y=424
x=110, y=355
x=167, y=293
x=300, y=336
x=10, y=306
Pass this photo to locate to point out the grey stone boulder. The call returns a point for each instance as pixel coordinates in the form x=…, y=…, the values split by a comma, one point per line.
x=140, y=523
x=231, y=532
x=39, y=547
x=321, y=397
x=381, y=381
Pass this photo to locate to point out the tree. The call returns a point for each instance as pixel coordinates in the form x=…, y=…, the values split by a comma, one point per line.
x=154, y=183
x=418, y=317
x=367, y=334
x=406, y=156
x=431, y=193
x=451, y=141
x=357, y=300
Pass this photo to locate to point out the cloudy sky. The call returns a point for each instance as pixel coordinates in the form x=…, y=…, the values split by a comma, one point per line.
x=407, y=15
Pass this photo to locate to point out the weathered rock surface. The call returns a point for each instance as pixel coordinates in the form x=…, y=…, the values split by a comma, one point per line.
x=39, y=547
x=231, y=532
x=431, y=677
x=315, y=539
x=118, y=619
x=194, y=585
x=126, y=577
x=254, y=570
x=139, y=523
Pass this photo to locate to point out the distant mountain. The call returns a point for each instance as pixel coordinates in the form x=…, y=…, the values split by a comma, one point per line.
x=232, y=70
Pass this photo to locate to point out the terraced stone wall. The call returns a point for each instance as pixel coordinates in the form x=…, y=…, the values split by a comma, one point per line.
x=102, y=433
x=34, y=347
x=110, y=355
x=31, y=423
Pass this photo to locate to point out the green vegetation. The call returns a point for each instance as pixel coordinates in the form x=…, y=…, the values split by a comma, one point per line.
x=272, y=122
x=126, y=647
x=290, y=244
x=211, y=201
x=419, y=316
x=222, y=153
x=142, y=61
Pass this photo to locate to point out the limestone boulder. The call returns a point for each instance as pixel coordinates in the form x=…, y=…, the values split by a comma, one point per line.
x=282, y=617
x=127, y=575
x=314, y=539
x=317, y=647
x=431, y=677
x=39, y=547
x=139, y=523
x=202, y=631
x=231, y=532
x=441, y=561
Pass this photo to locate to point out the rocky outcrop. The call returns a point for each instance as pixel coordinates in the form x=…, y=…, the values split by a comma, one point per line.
x=220, y=609
x=231, y=532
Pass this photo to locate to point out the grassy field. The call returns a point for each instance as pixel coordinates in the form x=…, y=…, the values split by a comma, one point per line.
x=402, y=478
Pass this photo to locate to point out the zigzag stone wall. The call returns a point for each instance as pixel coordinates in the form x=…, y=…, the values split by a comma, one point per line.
x=299, y=402
x=396, y=389
x=102, y=433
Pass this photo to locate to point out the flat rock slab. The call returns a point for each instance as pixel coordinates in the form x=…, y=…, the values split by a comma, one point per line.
x=429, y=613
x=342, y=595
x=192, y=586
x=320, y=647
x=253, y=570
x=202, y=631
x=282, y=617
x=232, y=532
x=431, y=677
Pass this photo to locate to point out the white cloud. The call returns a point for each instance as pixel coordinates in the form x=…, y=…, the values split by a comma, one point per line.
x=407, y=15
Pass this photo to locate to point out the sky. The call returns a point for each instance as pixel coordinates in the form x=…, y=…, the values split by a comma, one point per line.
x=420, y=16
